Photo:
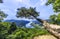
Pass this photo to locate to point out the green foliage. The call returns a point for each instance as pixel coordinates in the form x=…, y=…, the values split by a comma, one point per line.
x=55, y=19
x=3, y=29
x=27, y=13
x=1, y=1
x=37, y=26
x=2, y=15
x=12, y=28
x=11, y=31
x=55, y=3
x=27, y=33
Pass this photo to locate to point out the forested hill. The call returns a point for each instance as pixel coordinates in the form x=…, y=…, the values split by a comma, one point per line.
x=18, y=22
x=23, y=22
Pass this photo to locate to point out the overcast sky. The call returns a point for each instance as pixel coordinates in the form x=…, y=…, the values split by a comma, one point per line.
x=10, y=7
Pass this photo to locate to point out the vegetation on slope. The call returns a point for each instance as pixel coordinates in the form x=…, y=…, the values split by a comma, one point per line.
x=11, y=31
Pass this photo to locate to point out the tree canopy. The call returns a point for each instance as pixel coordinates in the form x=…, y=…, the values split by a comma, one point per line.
x=55, y=3
x=55, y=19
x=2, y=15
x=27, y=13
x=1, y=1
x=56, y=7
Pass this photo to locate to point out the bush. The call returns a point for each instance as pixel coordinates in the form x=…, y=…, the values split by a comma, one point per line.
x=11, y=31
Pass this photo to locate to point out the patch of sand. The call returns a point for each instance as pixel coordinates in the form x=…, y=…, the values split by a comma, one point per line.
x=45, y=37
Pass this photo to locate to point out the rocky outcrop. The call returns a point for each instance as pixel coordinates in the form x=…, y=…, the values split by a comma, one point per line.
x=53, y=29
x=45, y=37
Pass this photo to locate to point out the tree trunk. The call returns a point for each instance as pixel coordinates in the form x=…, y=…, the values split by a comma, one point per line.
x=53, y=32
x=49, y=28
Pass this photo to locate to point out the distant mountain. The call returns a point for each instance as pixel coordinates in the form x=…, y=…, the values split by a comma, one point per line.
x=23, y=22
x=18, y=22
x=37, y=22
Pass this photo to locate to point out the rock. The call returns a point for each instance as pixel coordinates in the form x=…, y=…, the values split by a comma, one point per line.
x=45, y=37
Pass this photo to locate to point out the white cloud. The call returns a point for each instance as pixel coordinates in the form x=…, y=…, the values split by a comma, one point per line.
x=37, y=4
x=19, y=0
x=22, y=1
x=11, y=5
x=43, y=2
x=28, y=2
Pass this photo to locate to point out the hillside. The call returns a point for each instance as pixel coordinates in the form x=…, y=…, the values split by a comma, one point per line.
x=18, y=22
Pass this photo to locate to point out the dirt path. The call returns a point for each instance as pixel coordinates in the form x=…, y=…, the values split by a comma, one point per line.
x=45, y=37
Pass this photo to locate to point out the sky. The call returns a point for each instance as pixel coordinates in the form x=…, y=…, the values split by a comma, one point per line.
x=10, y=8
